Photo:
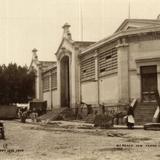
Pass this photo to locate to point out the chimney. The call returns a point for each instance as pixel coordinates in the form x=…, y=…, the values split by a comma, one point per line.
x=34, y=51
x=66, y=32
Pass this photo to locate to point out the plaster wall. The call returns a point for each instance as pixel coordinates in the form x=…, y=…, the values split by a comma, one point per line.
x=134, y=85
x=141, y=50
x=55, y=99
x=89, y=92
x=108, y=89
x=47, y=97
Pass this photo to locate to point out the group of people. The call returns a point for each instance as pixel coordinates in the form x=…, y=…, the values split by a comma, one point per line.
x=24, y=113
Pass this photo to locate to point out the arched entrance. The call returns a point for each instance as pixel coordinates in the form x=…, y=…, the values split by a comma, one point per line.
x=65, y=79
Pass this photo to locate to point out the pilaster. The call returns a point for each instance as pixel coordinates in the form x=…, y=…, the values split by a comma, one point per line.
x=96, y=76
x=123, y=74
x=39, y=94
x=58, y=83
x=50, y=92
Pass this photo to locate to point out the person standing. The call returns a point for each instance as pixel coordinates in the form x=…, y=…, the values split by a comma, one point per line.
x=130, y=118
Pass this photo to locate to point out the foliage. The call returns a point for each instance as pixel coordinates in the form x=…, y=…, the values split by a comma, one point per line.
x=16, y=84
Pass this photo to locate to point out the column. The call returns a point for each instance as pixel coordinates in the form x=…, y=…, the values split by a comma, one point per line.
x=123, y=73
x=77, y=77
x=39, y=85
x=50, y=91
x=96, y=76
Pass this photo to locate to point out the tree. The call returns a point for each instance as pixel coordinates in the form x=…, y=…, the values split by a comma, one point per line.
x=16, y=84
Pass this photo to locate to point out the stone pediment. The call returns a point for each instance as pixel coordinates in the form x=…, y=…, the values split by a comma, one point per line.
x=66, y=46
x=130, y=24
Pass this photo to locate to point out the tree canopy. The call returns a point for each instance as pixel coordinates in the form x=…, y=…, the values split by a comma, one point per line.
x=16, y=84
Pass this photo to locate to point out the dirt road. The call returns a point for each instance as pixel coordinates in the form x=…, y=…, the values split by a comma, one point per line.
x=35, y=142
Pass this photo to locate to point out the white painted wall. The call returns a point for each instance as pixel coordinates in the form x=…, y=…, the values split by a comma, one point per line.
x=134, y=85
x=145, y=49
x=108, y=89
x=140, y=50
x=89, y=92
x=55, y=101
x=47, y=97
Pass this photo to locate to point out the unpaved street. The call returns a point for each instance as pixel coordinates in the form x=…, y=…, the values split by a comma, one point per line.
x=35, y=142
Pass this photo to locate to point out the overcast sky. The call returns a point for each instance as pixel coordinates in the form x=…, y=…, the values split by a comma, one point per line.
x=28, y=24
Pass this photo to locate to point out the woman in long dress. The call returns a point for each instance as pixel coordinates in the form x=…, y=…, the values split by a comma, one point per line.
x=130, y=118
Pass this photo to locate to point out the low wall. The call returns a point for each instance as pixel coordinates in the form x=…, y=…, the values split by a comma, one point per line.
x=8, y=112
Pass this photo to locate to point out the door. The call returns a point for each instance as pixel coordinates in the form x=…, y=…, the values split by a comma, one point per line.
x=148, y=82
x=65, y=82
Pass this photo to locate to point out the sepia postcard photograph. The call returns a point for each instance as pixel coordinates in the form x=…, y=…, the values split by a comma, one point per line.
x=79, y=80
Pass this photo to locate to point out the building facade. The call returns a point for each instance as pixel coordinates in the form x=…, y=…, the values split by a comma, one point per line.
x=112, y=71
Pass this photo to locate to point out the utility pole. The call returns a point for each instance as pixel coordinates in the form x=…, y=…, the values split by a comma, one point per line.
x=81, y=20
x=129, y=10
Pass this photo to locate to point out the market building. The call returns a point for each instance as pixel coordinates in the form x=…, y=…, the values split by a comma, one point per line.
x=111, y=72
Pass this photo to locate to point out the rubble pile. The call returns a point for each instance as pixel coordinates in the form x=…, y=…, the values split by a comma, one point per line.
x=58, y=114
x=103, y=121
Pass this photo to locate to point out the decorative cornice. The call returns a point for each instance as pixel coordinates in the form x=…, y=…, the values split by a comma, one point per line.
x=148, y=59
x=128, y=33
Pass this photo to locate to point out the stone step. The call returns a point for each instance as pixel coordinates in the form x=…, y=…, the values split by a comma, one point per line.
x=144, y=113
x=144, y=119
x=150, y=109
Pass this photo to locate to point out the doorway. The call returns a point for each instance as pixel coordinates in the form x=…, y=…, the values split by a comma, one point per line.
x=65, y=82
x=148, y=82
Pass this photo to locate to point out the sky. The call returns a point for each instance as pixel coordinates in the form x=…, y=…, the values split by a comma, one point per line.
x=28, y=24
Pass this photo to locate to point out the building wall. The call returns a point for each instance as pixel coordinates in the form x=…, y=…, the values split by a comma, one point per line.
x=108, y=89
x=47, y=97
x=141, y=50
x=55, y=99
x=89, y=92
x=134, y=85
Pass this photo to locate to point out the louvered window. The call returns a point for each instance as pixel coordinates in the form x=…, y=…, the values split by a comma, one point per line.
x=46, y=83
x=54, y=79
x=107, y=61
x=87, y=69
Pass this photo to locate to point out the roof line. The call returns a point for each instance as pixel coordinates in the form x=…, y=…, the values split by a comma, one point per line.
x=151, y=21
x=120, y=34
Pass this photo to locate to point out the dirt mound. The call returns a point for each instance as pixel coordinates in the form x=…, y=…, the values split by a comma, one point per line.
x=90, y=118
x=58, y=114
x=103, y=121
